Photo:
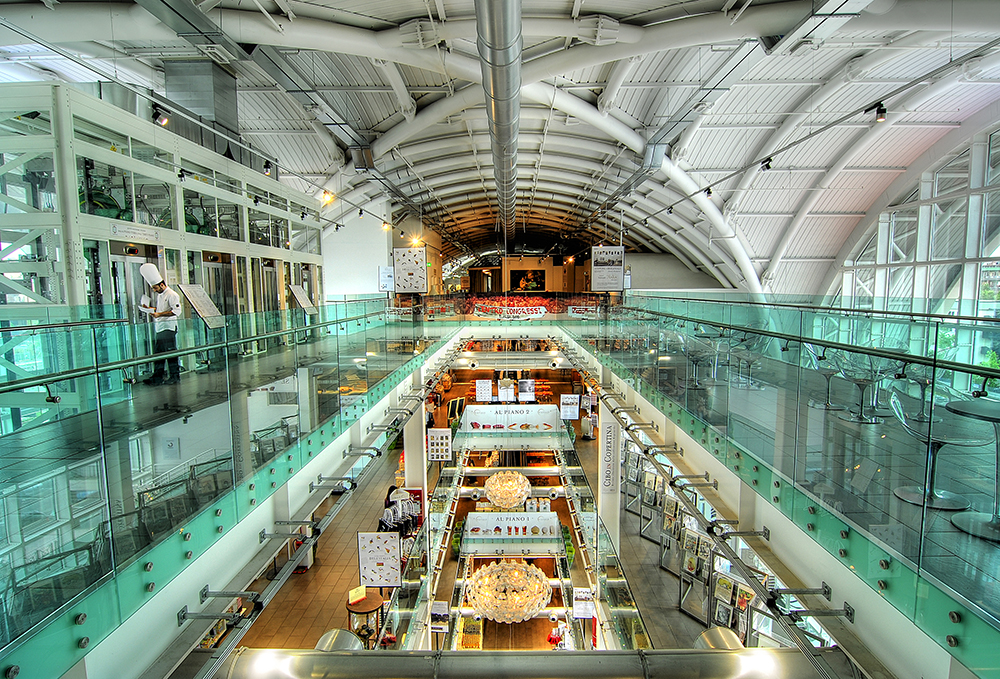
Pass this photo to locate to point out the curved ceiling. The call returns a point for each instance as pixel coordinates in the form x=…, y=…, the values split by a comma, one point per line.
x=764, y=112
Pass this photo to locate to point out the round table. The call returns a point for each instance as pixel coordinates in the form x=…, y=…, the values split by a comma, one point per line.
x=981, y=524
x=371, y=604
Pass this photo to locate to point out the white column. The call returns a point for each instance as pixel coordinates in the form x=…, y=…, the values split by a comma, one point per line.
x=609, y=473
x=415, y=448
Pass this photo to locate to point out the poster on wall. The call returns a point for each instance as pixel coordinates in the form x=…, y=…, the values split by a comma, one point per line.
x=378, y=559
x=484, y=391
x=440, y=614
x=569, y=406
x=530, y=280
x=439, y=445
x=607, y=269
x=409, y=270
x=506, y=390
x=385, y=279
x=583, y=603
x=525, y=390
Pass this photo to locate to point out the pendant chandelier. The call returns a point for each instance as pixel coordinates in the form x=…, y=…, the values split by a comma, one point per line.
x=507, y=489
x=508, y=591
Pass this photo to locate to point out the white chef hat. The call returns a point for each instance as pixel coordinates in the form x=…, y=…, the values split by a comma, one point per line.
x=151, y=273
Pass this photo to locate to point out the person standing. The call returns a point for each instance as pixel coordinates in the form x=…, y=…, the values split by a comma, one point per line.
x=164, y=313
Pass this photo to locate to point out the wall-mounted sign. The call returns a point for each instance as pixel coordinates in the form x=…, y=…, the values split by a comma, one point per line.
x=409, y=270
x=535, y=418
x=378, y=559
x=607, y=269
x=385, y=279
x=439, y=445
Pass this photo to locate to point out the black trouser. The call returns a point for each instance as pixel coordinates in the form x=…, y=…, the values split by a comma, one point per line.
x=168, y=368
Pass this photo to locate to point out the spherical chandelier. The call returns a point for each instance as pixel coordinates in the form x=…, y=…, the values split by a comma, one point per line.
x=508, y=591
x=507, y=489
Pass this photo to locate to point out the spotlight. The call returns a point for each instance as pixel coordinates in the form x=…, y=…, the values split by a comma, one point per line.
x=880, y=113
x=361, y=213
x=256, y=200
x=327, y=198
x=181, y=174
x=161, y=117
x=267, y=169
x=708, y=191
x=670, y=210
x=304, y=214
x=337, y=227
x=766, y=165
x=386, y=226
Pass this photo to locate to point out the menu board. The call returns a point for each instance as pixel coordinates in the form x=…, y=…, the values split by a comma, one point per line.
x=439, y=445
x=607, y=269
x=569, y=406
x=204, y=305
x=378, y=559
x=484, y=391
x=302, y=299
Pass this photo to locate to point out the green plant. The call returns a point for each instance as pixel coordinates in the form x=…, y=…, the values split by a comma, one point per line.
x=992, y=361
x=568, y=542
x=456, y=538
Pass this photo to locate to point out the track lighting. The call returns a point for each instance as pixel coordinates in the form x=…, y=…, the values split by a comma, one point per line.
x=361, y=213
x=386, y=226
x=160, y=117
x=181, y=174
x=708, y=191
x=765, y=165
x=670, y=210
x=327, y=198
x=267, y=169
x=304, y=214
x=880, y=113
x=337, y=227
x=256, y=200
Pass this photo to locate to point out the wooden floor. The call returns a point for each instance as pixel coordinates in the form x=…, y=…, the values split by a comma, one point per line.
x=314, y=602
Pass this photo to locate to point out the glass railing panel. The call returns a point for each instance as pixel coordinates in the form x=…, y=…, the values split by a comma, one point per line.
x=623, y=615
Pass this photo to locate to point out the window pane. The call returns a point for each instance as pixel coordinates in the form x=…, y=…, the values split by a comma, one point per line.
x=948, y=228
x=991, y=225
x=993, y=171
x=903, y=227
x=953, y=176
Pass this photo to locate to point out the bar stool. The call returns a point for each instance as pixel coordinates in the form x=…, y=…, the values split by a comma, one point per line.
x=827, y=372
x=935, y=438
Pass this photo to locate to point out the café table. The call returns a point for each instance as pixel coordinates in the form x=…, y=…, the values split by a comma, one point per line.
x=981, y=524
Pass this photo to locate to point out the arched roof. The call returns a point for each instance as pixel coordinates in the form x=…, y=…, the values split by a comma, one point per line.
x=770, y=105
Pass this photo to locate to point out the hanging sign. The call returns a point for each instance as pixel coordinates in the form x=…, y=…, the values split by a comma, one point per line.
x=507, y=313
x=440, y=614
x=607, y=269
x=610, y=463
x=525, y=390
x=569, y=406
x=378, y=559
x=534, y=418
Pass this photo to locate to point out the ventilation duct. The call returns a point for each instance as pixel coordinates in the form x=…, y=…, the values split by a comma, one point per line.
x=498, y=27
x=206, y=89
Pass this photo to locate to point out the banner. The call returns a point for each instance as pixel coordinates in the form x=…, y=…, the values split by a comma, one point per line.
x=513, y=524
x=607, y=269
x=569, y=406
x=507, y=313
x=535, y=418
x=610, y=463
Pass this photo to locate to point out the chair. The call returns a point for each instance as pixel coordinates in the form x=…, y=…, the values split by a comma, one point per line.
x=827, y=372
x=935, y=437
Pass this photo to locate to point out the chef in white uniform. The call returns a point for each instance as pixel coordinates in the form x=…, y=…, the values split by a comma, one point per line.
x=164, y=313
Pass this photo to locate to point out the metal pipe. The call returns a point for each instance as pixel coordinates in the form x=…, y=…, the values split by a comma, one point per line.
x=756, y=663
x=498, y=26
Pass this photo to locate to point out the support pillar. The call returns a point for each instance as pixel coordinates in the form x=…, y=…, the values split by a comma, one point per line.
x=415, y=449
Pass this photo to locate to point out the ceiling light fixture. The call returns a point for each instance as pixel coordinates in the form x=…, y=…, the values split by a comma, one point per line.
x=508, y=591
x=880, y=113
x=361, y=213
x=708, y=191
x=161, y=117
x=328, y=198
x=766, y=164
x=386, y=226
x=267, y=168
x=507, y=489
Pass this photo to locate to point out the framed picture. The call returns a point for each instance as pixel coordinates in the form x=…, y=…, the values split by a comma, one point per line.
x=744, y=597
x=530, y=280
x=723, y=614
x=724, y=589
x=690, y=541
